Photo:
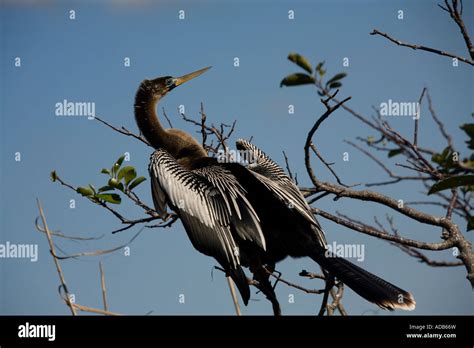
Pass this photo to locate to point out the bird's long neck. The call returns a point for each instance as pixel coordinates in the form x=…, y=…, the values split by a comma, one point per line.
x=147, y=119
x=182, y=146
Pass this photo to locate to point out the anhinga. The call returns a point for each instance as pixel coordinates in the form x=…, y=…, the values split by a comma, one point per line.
x=251, y=216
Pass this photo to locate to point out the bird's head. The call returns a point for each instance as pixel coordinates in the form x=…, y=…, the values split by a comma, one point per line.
x=160, y=86
x=182, y=146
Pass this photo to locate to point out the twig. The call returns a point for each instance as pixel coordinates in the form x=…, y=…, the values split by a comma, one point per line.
x=203, y=126
x=62, y=235
x=94, y=310
x=56, y=261
x=96, y=252
x=428, y=168
x=290, y=174
x=329, y=166
x=417, y=119
x=456, y=16
x=397, y=178
x=128, y=222
x=327, y=289
x=296, y=286
x=423, y=48
x=418, y=254
x=371, y=231
x=234, y=296
x=124, y=131
x=425, y=259
x=438, y=122
x=329, y=111
x=102, y=285
x=167, y=118
x=336, y=296
x=205, y=130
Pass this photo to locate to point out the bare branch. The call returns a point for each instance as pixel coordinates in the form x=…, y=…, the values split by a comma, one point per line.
x=234, y=296
x=296, y=286
x=167, y=118
x=417, y=119
x=290, y=174
x=423, y=48
x=96, y=252
x=337, y=296
x=372, y=231
x=456, y=16
x=102, y=286
x=425, y=259
x=418, y=254
x=397, y=178
x=128, y=222
x=438, y=122
x=124, y=131
x=56, y=261
x=328, y=166
x=329, y=111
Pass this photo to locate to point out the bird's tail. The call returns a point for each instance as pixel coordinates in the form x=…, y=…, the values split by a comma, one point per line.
x=240, y=279
x=366, y=284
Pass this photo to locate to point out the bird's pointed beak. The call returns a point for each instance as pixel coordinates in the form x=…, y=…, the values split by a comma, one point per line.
x=190, y=76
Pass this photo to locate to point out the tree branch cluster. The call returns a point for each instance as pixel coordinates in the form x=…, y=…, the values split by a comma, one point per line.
x=388, y=141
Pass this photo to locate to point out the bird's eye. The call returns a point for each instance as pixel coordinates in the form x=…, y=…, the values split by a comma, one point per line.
x=169, y=82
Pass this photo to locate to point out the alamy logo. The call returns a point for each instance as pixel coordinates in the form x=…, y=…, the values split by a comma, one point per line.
x=235, y=156
x=356, y=251
x=67, y=108
x=21, y=251
x=393, y=108
x=37, y=331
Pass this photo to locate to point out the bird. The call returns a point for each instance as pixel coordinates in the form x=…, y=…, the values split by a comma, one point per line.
x=244, y=215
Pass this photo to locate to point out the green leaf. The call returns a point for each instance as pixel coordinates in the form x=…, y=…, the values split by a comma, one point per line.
x=454, y=181
x=113, y=183
x=437, y=158
x=117, y=164
x=319, y=69
x=335, y=85
x=105, y=188
x=136, y=182
x=297, y=79
x=468, y=128
x=105, y=171
x=336, y=77
x=120, y=160
x=394, y=152
x=110, y=197
x=301, y=61
x=128, y=173
x=92, y=188
x=85, y=191
x=442, y=158
x=53, y=176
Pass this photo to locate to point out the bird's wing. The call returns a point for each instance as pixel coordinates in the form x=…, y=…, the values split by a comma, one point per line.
x=242, y=216
x=210, y=203
x=278, y=182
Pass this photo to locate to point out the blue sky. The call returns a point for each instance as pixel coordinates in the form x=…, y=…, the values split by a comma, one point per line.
x=82, y=60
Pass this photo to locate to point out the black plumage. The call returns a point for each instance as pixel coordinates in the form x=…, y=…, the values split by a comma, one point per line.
x=243, y=216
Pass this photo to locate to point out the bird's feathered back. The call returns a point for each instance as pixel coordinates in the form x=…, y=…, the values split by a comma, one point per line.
x=280, y=184
x=209, y=201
